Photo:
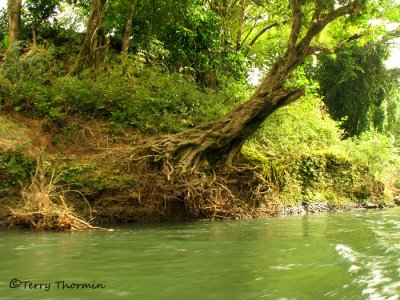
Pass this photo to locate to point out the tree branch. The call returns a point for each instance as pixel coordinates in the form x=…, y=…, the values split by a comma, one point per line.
x=232, y=7
x=241, y=21
x=296, y=26
x=252, y=28
x=265, y=29
x=317, y=27
x=348, y=40
x=391, y=35
x=317, y=13
x=319, y=48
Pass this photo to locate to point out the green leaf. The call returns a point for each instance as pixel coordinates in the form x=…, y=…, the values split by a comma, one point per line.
x=6, y=41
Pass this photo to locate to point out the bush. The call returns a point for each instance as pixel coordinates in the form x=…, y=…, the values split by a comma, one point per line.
x=27, y=80
x=302, y=127
x=15, y=169
x=300, y=151
x=377, y=152
x=148, y=99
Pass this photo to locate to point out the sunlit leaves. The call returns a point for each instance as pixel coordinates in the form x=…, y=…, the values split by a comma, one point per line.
x=357, y=86
x=41, y=10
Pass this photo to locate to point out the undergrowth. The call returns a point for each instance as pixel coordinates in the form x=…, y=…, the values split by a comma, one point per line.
x=149, y=99
x=302, y=153
x=15, y=169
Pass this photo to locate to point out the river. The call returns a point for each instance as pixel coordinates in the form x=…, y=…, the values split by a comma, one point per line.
x=353, y=255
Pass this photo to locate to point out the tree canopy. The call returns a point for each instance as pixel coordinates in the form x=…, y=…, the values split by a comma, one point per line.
x=340, y=44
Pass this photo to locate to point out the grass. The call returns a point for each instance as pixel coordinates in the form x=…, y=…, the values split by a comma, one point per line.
x=12, y=136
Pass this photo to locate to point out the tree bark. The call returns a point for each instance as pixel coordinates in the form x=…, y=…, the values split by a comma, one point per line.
x=184, y=153
x=94, y=41
x=34, y=36
x=14, y=20
x=264, y=30
x=153, y=16
x=127, y=33
x=241, y=21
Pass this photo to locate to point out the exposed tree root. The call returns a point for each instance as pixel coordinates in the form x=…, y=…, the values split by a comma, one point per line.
x=211, y=193
x=44, y=207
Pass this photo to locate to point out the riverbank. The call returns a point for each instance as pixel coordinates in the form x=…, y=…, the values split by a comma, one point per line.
x=101, y=179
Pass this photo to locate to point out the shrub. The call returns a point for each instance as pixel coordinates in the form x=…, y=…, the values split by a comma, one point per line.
x=377, y=152
x=15, y=169
x=148, y=100
x=27, y=80
x=301, y=152
x=301, y=127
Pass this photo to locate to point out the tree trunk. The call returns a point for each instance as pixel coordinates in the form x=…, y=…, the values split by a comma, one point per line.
x=153, y=16
x=241, y=21
x=187, y=151
x=127, y=33
x=184, y=153
x=34, y=36
x=14, y=20
x=94, y=41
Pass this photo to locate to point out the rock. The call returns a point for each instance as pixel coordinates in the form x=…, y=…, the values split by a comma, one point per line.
x=296, y=209
x=371, y=205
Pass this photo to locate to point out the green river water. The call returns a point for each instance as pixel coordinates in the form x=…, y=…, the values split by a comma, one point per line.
x=334, y=256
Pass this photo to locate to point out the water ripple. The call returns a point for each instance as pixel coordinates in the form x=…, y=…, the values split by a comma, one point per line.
x=372, y=273
x=346, y=252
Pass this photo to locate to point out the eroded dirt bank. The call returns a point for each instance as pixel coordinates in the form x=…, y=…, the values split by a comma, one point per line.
x=98, y=174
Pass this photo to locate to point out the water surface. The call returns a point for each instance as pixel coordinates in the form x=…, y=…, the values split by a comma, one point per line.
x=335, y=256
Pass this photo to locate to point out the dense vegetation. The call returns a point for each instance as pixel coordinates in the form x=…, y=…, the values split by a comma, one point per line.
x=110, y=107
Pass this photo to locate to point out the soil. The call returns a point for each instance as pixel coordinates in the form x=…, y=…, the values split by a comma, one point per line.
x=122, y=188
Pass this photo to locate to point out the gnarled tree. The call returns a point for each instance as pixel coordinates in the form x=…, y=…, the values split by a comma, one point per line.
x=185, y=153
x=200, y=176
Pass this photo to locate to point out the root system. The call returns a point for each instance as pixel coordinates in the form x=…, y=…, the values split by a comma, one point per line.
x=44, y=207
x=219, y=192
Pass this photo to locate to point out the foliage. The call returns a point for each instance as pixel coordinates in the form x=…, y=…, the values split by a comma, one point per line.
x=286, y=146
x=144, y=98
x=15, y=169
x=357, y=87
x=376, y=151
x=3, y=28
x=70, y=173
x=27, y=80
x=303, y=126
x=300, y=151
x=183, y=36
x=39, y=11
x=196, y=44
x=148, y=100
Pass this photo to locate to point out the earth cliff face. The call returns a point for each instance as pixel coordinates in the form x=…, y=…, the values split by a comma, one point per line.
x=101, y=180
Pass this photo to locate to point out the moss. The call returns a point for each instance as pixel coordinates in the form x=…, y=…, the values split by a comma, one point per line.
x=94, y=179
x=97, y=184
x=322, y=176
